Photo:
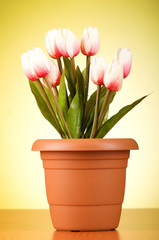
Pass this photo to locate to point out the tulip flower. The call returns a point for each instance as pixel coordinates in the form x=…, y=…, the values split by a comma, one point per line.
x=97, y=69
x=71, y=44
x=51, y=44
x=89, y=46
x=113, y=77
x=54, y=76
x=124, y=56
x=62, y=43
x=90, y=41
x=29, y=72
x=35, y=64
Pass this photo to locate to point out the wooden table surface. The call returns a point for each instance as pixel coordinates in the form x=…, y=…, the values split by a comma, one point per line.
x=135, y=224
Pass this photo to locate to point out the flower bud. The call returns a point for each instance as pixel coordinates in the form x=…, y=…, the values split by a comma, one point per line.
x=124, y=56
x=113, y=77
x=62, y=43
x=29, y=72
x=35, y=64
x=51, y=44
x=90, y=42
x=98, y=68
x=72, y=44
x=54, y=76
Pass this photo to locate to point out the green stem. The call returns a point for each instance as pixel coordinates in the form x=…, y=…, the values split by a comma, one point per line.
x=61, y=71
x=96, y=112
x=107, y=100
x=59, y=65
x=73, y=70
x=88, y=60
x=103, y=107
x=57, y=106
x=55, y=92
x=50, y=107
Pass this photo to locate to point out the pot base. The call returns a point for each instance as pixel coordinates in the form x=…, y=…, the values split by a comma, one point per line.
x=85, y=218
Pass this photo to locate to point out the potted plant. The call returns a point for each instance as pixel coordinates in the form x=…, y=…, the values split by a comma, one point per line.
x=84, y=173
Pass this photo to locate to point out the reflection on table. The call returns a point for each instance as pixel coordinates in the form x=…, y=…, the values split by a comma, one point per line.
x=101, y=235
x=135, y=224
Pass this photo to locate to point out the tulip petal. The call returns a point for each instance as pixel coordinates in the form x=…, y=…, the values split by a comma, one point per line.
x=72, y=45
x=84, y=37
x=51, y=44
x=93, y=42
x=113, y=78
x=60, y=40
x=27, y=68
x=98, y=68
x=117, y=54
x=124, y=56
x=39, y=63
x=54, y=76
x=54, y=45
x=90, y=42
x=48, y=41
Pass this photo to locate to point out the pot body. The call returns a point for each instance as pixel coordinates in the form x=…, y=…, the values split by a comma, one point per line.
x=85, y=182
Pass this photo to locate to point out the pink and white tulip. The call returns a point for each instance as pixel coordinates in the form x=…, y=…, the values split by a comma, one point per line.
x=35, y=64
x=62, y=43
x=90, y=42
x=54, y=76
x=98, y=68
x=113, y=77
x=69, y=46
x=124, y=56
x=51, y=44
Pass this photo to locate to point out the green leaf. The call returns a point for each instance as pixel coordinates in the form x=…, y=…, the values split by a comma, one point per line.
x=55, y=109
x=75, y=113
x=80, y=81
x=84, y=75
x=50, y=98
x=42, y=104
x=91, y=103
x=91, y=118
x=69, y=77
x=62, y=99
x=107, y=126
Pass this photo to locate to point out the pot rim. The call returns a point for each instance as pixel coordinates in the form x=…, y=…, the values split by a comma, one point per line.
x=108, y=144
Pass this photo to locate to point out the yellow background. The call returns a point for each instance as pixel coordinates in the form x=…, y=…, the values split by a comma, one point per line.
x=132, y=24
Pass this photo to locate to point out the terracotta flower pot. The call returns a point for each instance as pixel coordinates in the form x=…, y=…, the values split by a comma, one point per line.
x=85, y=181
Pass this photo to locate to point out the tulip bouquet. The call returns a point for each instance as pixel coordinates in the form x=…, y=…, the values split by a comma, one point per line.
x=61, y=90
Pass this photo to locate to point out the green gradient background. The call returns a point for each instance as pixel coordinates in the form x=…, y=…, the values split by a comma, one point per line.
x=133, y=24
